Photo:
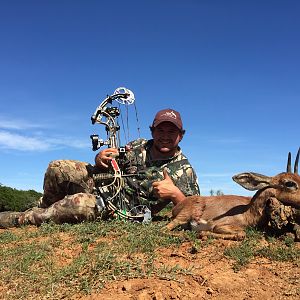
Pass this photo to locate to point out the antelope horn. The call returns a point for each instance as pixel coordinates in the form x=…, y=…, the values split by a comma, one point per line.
x=288, y=166
x=296, y=162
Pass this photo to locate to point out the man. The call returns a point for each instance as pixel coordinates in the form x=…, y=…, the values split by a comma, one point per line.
x=159, y=174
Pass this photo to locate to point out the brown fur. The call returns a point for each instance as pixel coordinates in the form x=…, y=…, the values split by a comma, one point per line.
x=227, y=216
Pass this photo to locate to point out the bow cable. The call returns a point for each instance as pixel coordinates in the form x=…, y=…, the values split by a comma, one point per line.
x=107, y=115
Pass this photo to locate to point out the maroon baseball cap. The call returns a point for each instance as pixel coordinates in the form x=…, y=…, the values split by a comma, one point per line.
x=168, y=115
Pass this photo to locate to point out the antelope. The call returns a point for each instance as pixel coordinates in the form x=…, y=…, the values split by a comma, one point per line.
x=227, y=216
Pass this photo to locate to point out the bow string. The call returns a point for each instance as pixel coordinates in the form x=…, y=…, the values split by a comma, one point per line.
x=106, y=114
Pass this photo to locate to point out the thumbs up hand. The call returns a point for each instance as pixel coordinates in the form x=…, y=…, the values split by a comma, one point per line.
x=165, y=188
x=166, y=175
x=167, y=191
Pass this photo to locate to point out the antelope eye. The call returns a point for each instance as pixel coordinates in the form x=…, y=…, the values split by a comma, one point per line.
x=290, y=185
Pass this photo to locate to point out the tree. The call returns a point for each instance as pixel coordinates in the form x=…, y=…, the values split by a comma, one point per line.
x=17, y=200
x=216, y=193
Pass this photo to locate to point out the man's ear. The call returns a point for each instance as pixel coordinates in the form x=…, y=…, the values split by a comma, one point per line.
x=182, y=134
x=151, y=130
x=252, y=181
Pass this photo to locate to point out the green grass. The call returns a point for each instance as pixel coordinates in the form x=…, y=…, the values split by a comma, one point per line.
x=97, y=253
x=251, y=248
x=58, y=261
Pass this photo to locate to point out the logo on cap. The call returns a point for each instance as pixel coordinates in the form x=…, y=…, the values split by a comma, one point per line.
x=169, y=114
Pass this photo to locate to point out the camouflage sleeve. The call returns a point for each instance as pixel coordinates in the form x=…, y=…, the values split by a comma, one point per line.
x=188, y=182
x=184, y=177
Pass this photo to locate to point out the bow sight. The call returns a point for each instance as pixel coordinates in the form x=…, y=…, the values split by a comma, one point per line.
x=115, y=201
x=107, y=115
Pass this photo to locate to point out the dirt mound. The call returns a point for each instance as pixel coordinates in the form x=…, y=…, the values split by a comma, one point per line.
x=212, y=277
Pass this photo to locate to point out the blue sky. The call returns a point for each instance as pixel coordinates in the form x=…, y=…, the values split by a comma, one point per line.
x=232, y=68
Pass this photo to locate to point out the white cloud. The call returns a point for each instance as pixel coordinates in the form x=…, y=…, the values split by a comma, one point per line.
x=13, y=138
x=17, y=124
x=19, y=142
x=15, y=141
x=68, y=142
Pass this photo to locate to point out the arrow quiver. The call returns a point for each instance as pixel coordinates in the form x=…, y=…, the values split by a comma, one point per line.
x=110, y=192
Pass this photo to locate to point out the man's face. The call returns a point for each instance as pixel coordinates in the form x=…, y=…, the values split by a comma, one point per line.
x=166, y=137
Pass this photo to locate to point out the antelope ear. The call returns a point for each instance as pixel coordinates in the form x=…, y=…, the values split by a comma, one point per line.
x=252, y=181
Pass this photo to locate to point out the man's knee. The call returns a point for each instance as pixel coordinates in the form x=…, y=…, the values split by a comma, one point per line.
x=66, y=170
x=66, y=177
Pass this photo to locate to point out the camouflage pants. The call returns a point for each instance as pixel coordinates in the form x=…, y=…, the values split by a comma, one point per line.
x=67, y=198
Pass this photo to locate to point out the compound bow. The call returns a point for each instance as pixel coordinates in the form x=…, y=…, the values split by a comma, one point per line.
x=115, y=203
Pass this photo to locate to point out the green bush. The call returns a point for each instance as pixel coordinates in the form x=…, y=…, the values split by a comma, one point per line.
x=17, y=200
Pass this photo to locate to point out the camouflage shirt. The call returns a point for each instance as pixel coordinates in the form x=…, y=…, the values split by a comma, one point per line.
x=143, y=171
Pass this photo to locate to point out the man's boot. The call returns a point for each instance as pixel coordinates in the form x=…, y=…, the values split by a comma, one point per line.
x=9, y=219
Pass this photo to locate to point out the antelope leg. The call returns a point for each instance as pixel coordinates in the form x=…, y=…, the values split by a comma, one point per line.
x=226, y=232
